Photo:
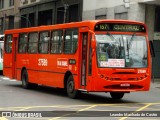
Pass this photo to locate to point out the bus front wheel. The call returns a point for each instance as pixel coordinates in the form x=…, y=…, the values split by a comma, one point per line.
x=116, y=95
x=72, y=93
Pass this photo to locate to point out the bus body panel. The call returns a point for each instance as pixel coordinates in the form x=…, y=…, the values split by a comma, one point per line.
x=8, y=72
x=50, y=69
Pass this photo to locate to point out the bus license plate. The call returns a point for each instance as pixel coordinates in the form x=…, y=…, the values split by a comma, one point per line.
x=125, y=85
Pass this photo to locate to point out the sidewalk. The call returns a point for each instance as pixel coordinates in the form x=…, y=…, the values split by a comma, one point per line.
x=156, y=80
x=155, y=83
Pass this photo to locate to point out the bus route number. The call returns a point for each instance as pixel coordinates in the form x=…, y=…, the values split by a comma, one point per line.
x=42, y=62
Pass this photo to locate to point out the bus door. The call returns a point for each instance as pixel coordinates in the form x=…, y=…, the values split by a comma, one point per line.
x=84, y=59
x=15, y=40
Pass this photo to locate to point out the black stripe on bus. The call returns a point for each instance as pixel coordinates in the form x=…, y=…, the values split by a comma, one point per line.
x=45, y=71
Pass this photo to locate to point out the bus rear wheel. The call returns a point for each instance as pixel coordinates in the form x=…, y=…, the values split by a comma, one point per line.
x=25, y=83
x=117, y=95
x=72, y=93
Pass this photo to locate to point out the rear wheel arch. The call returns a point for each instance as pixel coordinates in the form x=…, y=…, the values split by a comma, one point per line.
x=23, y=69
x=67, y=74
x=25, y=80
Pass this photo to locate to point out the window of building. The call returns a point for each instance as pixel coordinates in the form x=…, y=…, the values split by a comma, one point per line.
x=123, y=15
x=70, y=41
x=8, y=44
x=44, y=42
x=73, y=13
x=60, y=15
x=31, y=20
x=25, y=1
x=100, y=17
x=70, y=13
x=100, y=13
x=11, y=2
x=45, y=17
x=11, y=22
x=56, y=41
x=1, y=25
x=24, y=21
x=157, y=19
x=33, y=40
x=33, y=0
x=22, y=43
x=1, y=4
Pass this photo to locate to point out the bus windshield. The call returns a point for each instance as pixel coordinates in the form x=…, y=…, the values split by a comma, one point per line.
x=121, y=51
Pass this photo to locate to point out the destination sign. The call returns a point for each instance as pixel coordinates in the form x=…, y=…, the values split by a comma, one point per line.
x=120, y=27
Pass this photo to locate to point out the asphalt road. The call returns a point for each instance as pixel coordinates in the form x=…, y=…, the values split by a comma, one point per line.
x=14, y=98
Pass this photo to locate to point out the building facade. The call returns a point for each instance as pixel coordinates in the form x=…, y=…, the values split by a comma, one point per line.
x=8, y=10
x=46, y=12
x=30, y=13
x=147, y=11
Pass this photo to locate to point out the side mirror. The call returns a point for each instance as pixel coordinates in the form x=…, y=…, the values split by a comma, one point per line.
x=151, y=49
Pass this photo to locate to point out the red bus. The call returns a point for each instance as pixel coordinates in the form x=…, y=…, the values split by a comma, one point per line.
x=89, y=56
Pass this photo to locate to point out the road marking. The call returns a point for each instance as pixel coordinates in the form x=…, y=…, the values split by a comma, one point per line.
x=3, y=118
x=69, y=106
x=74, y=113
x=8, y=79
x=5, y=78
x=23, y=109
x=85, y=108
x=140, y=109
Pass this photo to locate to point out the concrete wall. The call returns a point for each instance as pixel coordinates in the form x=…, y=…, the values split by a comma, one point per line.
x=90, y=8
x=135, y=12
x=150, y=17
x=16, y=14
x=27, y=2
x=96, y=4
x=8, y=10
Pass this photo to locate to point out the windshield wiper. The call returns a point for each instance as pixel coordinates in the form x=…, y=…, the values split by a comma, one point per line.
x=130, y=42
x=111, y=36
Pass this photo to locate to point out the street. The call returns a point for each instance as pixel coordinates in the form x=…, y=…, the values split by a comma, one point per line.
x=14, y=98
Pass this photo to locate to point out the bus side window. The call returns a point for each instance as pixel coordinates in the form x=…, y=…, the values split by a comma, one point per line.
x=43, y=42
x=71, y=41
x=56, y=41
x=33, y=40
x=8, y=44
x=22, y=43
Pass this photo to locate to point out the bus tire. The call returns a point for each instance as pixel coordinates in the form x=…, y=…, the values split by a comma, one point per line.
x=71, y=92
x=117, y=95
x=25, y=83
